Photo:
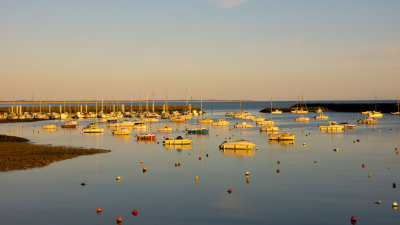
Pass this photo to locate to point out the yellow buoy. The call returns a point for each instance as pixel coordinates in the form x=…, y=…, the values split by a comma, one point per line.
x=247, y=173
x=196, y=177
x=369, y=175
x=141, y=162
x=118, y=178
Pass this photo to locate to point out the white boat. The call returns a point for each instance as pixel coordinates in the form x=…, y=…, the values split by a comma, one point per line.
x=302, y=119
x=276, y=112
x=375, y=114
x=265, y=123
x=92, y=128
x=319, y=110
x=398, y=108
x=178, y=141
x=301, y=110
x=333, y=126
x=139, y=125
x=220, y=122
x=243, y=125
x=122, y=124
x=237, y=145
x=257, y=119
x=321, y=117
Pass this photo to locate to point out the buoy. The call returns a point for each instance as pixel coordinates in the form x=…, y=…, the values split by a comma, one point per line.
x=135, y=212
x=196, y=177
x=247, y=173
x=394, y=185
x=315, y=161
x=369, y=175
x=118, y=178
x=394, y=204
x=363, y=165
x=119, y=219
x=141, y=162
x=335, y=149
x=83, y=183
x=229, y=191
x=200, y=158
x=99, y=210
x=256, y=148
x=304, y=144
x=278, y=171
x=353, y=219
x=248, y=180
x=144, y=170
x=378, y=202
x=397, y=153
x=279, y=162
x=176, y=164
x=179, y=164
x=206, y=155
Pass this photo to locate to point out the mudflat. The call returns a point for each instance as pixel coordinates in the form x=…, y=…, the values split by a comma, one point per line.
x=18, y=153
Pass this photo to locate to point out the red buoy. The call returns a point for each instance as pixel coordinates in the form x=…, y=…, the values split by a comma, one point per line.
x=179, y=164
x=135, y=212
x=119, y=219
x=397, y=153
x=363, y=165
x=353, y=219
x=279, y=162
x=278, y=171
x=229, y=191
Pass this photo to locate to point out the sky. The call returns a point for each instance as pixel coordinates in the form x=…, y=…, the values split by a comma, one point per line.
x=220, y=49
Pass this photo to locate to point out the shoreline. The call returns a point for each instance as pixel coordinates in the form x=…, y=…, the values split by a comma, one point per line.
x=18, y=153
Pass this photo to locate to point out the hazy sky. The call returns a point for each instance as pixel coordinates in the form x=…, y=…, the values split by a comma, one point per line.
x=224, y=49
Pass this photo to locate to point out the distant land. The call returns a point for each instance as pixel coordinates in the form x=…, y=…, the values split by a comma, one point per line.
x=342, y=107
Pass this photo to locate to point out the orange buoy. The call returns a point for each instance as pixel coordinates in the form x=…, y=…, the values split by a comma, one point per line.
x=135, y=212
x=279, y=162
x=397, y=153
x=229, y=191
x=248, y=180
x=179, y=164
x=119, y=219
x=99, y=210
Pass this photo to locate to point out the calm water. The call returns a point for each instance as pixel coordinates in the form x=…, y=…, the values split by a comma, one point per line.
x=327, y=192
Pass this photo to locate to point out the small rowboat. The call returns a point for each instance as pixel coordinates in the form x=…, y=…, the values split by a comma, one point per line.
x=122, y=132
x=70, y=124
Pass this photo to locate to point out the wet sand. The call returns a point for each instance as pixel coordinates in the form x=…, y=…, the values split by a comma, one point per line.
x=19, y=154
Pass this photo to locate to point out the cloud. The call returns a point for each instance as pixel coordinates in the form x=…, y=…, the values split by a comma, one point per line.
x=223, y=4
x=300, y=39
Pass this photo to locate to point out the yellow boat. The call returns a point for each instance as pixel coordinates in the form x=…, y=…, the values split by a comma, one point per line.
x=269, y=129
x=283, y=137
x=243, y=125
x=206, y=120
x=265, y=123
x=237, y=145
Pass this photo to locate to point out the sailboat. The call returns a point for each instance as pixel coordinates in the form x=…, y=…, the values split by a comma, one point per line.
x=297, y=110
x=270, y=128
x=398, y=108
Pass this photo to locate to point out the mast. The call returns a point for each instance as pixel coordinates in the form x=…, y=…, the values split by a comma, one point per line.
x=147, y=104
x=240, y=105
x=297, y=105
x=152, y=92
x=271, y=109
x=201, y=104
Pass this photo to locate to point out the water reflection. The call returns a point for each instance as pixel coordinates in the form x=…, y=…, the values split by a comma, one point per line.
x=282, y=142
x=178, y=147
x=242, y=153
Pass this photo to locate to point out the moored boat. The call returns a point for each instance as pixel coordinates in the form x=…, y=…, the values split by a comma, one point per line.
x=178, y=141
x=92, y=128
x=221, y=122
x=302, y=119
x=147, y=136
x=70, y=124
x=198, y=130
x=243, y=125
x=50, y=127
x=333, y=126
x=237, y=145
x=165, y=129
x=206, y=121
